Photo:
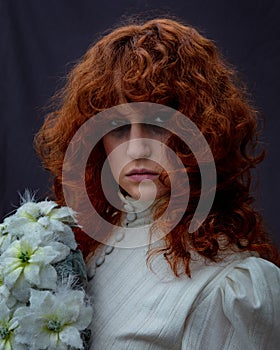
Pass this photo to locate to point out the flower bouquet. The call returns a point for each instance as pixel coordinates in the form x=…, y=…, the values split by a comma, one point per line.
x=43, y=304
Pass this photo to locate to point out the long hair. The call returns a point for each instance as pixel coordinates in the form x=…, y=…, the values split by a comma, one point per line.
x=168, y=63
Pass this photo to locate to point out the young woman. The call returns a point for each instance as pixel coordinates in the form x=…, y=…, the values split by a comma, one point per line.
x=142, y=114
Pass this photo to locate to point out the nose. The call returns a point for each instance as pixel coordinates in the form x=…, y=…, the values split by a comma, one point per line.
x=138, y=145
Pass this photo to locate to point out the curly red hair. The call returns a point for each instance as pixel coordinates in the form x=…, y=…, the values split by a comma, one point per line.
x=166, y=62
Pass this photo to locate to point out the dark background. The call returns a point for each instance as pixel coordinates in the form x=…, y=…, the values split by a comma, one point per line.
x=42, y=39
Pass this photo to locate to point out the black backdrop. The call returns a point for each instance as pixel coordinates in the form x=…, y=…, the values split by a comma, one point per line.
x=41, y=39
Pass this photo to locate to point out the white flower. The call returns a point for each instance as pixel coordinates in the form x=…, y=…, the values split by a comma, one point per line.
x=8, y=325
x=42, y=305
x=53, y=321
x=26, y=263
x=44, y=218
x=4, y=291
x=2, y=228
x=5, y=237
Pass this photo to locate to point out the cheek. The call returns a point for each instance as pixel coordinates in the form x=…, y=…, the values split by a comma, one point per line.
x=109, y=144
x=115, y=155
x=115, y=167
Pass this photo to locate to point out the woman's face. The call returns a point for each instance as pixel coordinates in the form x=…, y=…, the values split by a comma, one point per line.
x=136, y=155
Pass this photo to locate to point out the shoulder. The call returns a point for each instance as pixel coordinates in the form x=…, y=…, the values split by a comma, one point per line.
x=238, y=309
x=251, y=280
x=248, y=281
x=250, y=298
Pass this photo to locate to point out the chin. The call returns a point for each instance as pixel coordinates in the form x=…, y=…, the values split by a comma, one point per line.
x=146, y=191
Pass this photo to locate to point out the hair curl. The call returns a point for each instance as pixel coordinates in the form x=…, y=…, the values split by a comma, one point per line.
x=166, y=62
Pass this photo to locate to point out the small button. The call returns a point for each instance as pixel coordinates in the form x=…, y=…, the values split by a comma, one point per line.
x=131, y=216
x=99, y=261
x=91, y=271
x=128, y=207
x=109, y=249
x=119, y=236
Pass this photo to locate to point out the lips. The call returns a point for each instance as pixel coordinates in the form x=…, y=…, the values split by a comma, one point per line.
x=139, y=175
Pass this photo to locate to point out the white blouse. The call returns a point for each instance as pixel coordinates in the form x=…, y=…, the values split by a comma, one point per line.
x=234, y=304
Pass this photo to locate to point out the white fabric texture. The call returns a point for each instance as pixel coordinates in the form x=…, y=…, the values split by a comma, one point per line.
x=234, y=304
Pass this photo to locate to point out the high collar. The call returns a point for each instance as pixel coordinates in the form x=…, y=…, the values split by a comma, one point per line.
x=136, y=213
x=137, y=220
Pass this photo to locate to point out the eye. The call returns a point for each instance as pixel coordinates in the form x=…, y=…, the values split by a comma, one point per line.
x=161, y=117
x=119, y=122
x=121, y=127
x=158, y=123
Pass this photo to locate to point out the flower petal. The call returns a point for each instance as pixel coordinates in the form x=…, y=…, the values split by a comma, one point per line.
x=47, y=207
x=71, y=336
x=44, y=221
x=64, y=214
x=39, y=298
x=11, y=275
x=85, y=318
x=21, y=290
x=31, y=273
x=4, y=310
x=67, y=237
x=48, y=277
x=51, y=253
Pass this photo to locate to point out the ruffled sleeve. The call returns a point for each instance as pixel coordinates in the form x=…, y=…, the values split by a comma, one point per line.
x=239, y=309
